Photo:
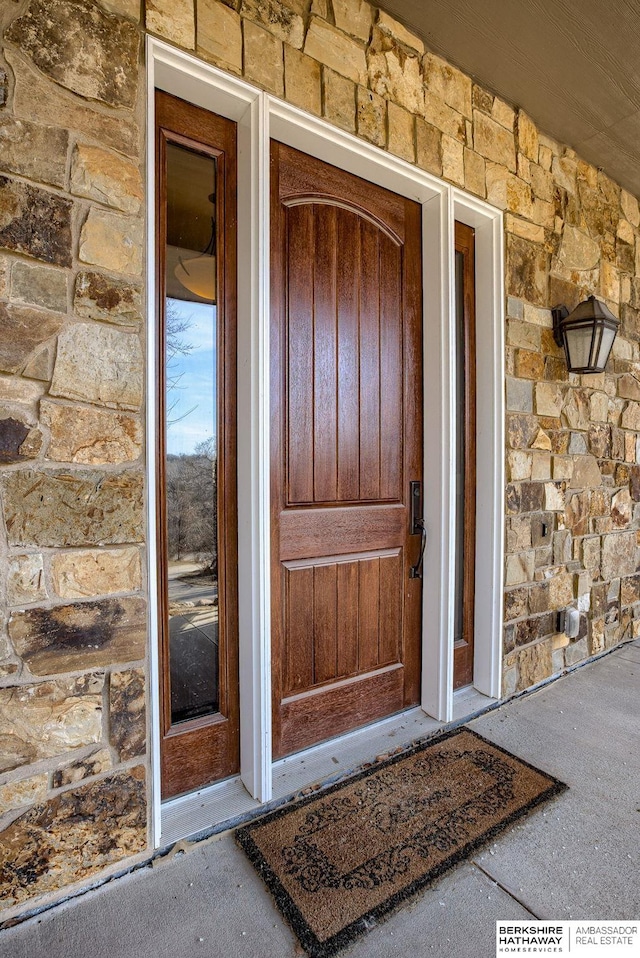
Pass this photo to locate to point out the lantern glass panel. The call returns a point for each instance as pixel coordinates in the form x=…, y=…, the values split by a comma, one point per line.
x=578, y=346
x=608, y=336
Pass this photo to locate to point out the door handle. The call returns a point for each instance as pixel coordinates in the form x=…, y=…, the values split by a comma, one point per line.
x=415, y=508
x=416, y=525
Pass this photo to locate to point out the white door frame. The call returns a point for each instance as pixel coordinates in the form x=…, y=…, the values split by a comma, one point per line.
x=261, y=117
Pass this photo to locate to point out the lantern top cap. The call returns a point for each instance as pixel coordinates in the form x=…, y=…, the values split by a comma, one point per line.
x=592, y=308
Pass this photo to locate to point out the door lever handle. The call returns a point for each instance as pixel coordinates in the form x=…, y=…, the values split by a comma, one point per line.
x=415, y=571
x=415, y=508
x=416, y=525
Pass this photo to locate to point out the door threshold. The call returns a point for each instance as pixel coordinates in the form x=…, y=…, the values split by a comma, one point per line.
x=228, y=801
x=198, y=812
x=467, y=702
x=335, y=758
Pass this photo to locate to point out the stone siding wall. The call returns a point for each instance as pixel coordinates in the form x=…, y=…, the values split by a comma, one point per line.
x=73, y=674
x=73, y=632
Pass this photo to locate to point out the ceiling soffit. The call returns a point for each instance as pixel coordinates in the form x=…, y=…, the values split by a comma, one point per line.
x=572, y=65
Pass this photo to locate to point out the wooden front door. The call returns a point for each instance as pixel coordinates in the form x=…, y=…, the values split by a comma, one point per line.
x=346, y=399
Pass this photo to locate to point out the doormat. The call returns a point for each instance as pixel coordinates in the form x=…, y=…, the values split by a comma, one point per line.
x=338, y=861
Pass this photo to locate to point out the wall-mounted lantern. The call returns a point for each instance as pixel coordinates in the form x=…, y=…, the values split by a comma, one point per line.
x=586, y=334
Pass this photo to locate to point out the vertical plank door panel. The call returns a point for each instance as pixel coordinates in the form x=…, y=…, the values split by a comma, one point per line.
x=344, y=555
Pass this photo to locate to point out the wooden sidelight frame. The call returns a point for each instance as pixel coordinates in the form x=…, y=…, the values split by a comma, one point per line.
x=202, y=750
x=466, y=538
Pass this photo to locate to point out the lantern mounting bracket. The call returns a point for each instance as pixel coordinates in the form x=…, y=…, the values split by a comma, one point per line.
x=558, y=313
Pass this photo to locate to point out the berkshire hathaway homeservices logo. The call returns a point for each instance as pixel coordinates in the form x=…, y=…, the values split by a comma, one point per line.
x=580, y=939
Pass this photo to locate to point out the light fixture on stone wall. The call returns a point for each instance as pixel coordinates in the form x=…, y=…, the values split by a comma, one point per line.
x=586, y=334
x=198, y=273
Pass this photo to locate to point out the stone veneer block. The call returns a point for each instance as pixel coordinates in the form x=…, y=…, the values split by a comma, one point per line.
x=519, y=395
x=172, y=19
x=540, y=465
x=630, y=208
x=302, y=80
x=22, y=328
x=621, y=509
x=339, y=100
x=35, y=222
x=577, y=250
x=503, y=114
x=625, y=232
x=618, y=555
x=127, y=714
x=106, y=177
x=525, y=229
x=354, y=17
x=441, y=116
x=74, y=836
x=527, y=134
x=527, y=271
x=371, y=114
x=35, y=151
x=493, y=141
x=91, y=436
x=276, y=17
x=610, y=282
x=263, y=58
x=401, y=132
x=482, y=99
x=5, y=270
x=629, y=387
x=93, y=764
x=85, y=635
x=100, y=365
x=336, y=50
x=474, y=173
x=13, y=433
x=453, y=160
x=520, y=464
x=534, y=664
x=25, y=791
x=91, y=572
x=112, y=241
x=40, y=366
x=39, y=286
x=125, y=8
x=82, y=48
x=519, y=568
x=395, y=75
x=49, y=718
x=97, y=296
x=38, y=99
x=542, y=183
x=395, y=29
x=448, y=83
x=22, y=392
x=428, y=147
x=564, y=171
x=219, y=34
x=549, y=399
x=72, y=509
x=25, y=580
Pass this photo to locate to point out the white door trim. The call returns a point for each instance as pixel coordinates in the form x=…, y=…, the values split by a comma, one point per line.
x=260, y=117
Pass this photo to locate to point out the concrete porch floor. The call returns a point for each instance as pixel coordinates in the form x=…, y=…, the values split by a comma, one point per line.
x=577, y=857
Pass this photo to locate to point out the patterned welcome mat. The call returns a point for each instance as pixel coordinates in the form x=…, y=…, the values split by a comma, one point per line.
x=338, y=861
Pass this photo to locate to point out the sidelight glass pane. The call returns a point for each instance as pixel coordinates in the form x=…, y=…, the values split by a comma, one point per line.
x=191, y=450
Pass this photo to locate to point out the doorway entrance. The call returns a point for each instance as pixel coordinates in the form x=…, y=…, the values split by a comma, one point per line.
x=346, y=450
